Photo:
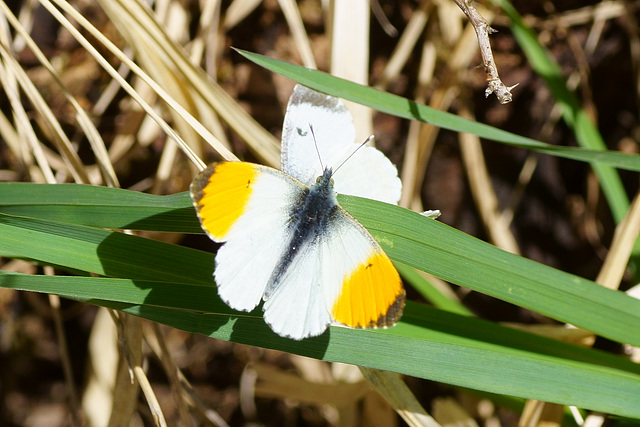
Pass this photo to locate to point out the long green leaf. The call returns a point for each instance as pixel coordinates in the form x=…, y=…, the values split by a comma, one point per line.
x=408, y=109
x=98, y=251
x=106, y=208
x=174, y=285
x=427, y=343
x=406, y=237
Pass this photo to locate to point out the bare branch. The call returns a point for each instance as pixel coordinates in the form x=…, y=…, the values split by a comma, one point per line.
x=494, y=84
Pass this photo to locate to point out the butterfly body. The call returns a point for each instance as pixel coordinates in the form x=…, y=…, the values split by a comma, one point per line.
x=308, y=222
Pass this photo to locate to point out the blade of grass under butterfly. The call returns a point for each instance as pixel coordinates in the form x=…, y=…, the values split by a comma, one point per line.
x=429, y=291
x=99, y=251
x=406, y=237
x=99, y=206
x=427, y=343
x=464, y=260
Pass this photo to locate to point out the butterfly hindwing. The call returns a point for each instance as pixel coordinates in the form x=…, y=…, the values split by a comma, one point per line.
x=371, y=292
x=341, y=277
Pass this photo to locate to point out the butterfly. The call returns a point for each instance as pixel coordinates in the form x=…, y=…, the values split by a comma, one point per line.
x=287, y=242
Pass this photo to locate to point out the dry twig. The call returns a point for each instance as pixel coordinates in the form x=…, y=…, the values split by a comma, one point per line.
x=494, y=84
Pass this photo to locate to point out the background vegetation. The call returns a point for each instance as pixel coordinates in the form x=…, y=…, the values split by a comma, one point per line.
x=503, y=321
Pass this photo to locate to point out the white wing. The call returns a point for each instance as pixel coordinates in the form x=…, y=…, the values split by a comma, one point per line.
x=318, y=287
x=258, y=235
x=367, y=174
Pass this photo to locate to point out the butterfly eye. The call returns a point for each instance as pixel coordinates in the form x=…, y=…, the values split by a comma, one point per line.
x=319, y=178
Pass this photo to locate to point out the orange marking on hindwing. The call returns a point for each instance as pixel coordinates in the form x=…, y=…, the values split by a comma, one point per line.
x=372, y=295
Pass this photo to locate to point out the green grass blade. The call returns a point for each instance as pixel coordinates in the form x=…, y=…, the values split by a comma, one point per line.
x=99, y=206
x=98, y=251
x=406, y=236
x=459, y=258
x=116, y=208
x=408, y=109
x=427, y=343
x=429, y=291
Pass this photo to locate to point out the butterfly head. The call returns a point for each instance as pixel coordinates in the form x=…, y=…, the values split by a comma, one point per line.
x=325, y=181
x=328, y=172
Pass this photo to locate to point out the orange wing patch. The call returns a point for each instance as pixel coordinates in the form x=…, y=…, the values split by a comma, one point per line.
x=222, y=192
x=372, y=296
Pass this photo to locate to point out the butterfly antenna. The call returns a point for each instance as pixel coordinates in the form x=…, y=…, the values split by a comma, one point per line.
x=315, y=143
x=354, y=152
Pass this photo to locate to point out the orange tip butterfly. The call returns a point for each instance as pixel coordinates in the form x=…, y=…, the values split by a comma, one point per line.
x=287, y=242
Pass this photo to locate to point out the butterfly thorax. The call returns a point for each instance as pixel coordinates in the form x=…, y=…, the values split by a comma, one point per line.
x=311, y=215
x=308, y=221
